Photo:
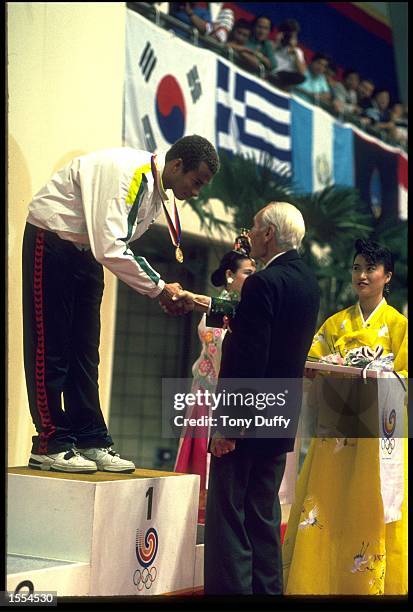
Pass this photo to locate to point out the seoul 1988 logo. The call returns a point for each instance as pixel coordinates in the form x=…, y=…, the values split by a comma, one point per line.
x=146, y=549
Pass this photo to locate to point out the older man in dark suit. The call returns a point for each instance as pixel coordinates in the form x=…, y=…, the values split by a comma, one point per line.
x=271, y=334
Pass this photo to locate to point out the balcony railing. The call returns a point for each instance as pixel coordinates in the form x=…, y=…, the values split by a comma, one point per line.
x=168, y=22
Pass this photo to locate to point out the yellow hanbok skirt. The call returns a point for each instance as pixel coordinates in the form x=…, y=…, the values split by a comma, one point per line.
x=337, y=542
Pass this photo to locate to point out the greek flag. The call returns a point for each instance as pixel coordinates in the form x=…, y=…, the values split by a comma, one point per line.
x=252, y=119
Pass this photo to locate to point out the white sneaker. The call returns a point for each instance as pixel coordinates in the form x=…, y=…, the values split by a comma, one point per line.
x=107, y=460
x=66, y=461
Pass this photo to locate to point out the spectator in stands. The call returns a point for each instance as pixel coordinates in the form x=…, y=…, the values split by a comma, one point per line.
x=331, y=76
x=191, y=14
x=291, y=64
x=315, y=86
x=222, y=26
x=345, y=93
x=200, y=18
x=399, y=117
x=378, y=114
x=263, y=57
x=365, y=92
x=239, y=36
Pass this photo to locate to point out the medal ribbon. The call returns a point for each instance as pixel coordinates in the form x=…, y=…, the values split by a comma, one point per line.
x=174, y=226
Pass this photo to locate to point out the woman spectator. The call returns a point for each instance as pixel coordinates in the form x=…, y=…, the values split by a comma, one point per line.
x=291, y=64
x=192, y=456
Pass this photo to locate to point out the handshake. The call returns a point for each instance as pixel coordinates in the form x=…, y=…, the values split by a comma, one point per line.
x=176, y=301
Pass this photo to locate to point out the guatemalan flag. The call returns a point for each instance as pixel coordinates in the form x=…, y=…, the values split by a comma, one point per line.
x=252, y=118
x=323, y=149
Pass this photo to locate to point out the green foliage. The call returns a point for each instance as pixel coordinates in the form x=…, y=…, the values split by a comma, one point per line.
x=335, y=218
x=393, y=234
x=244, y=187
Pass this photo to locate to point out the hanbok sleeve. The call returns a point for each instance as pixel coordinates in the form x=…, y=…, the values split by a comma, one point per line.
x=322, y=343
x=398, y=336
x=206, y=367
x=221, y=308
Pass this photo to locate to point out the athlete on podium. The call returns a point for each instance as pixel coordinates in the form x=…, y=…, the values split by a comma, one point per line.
x=81, y=220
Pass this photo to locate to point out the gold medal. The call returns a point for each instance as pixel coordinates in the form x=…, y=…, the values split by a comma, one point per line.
x=179, y=255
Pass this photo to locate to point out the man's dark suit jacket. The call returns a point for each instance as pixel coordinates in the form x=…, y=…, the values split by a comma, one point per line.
x=273, y=327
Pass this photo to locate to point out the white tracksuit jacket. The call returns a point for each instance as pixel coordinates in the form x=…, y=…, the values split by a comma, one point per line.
x=105, y=200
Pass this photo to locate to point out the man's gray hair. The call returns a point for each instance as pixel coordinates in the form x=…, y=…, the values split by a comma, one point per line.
x=288, y=223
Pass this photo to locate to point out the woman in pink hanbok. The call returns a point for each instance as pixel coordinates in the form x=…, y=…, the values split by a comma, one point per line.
x=192, y=456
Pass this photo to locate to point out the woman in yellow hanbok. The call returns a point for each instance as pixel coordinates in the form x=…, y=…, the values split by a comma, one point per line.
x=340, y=537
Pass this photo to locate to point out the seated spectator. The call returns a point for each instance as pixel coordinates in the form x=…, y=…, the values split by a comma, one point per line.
x=239, y=36
x=331, y=76
x=345, y=93
x=222, y=26
x=200, y=18
x=379, y=111
x=191, y=14
x=378, y=114
x=399, y=117
x=315, y=86
x=262, y=57
x=291, y=64
x=365, y=92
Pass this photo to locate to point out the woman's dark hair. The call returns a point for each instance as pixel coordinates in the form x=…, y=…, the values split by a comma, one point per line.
x=375, y=253
x=230, y=261
x=193, y=150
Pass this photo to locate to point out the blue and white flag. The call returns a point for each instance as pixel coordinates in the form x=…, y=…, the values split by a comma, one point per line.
x=252, y=119
x=322, y=149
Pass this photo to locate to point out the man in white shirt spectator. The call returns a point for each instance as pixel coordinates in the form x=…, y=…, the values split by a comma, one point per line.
x=291, y=66
x=345, y=93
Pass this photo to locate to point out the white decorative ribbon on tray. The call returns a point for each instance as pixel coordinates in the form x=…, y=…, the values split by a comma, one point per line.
x=357, y=358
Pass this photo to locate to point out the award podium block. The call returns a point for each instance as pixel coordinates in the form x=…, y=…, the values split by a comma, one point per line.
x=135, y=534
x=62, y=577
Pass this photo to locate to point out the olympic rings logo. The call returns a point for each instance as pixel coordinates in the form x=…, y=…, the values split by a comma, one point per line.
x=144, y=578
x=388, y=444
